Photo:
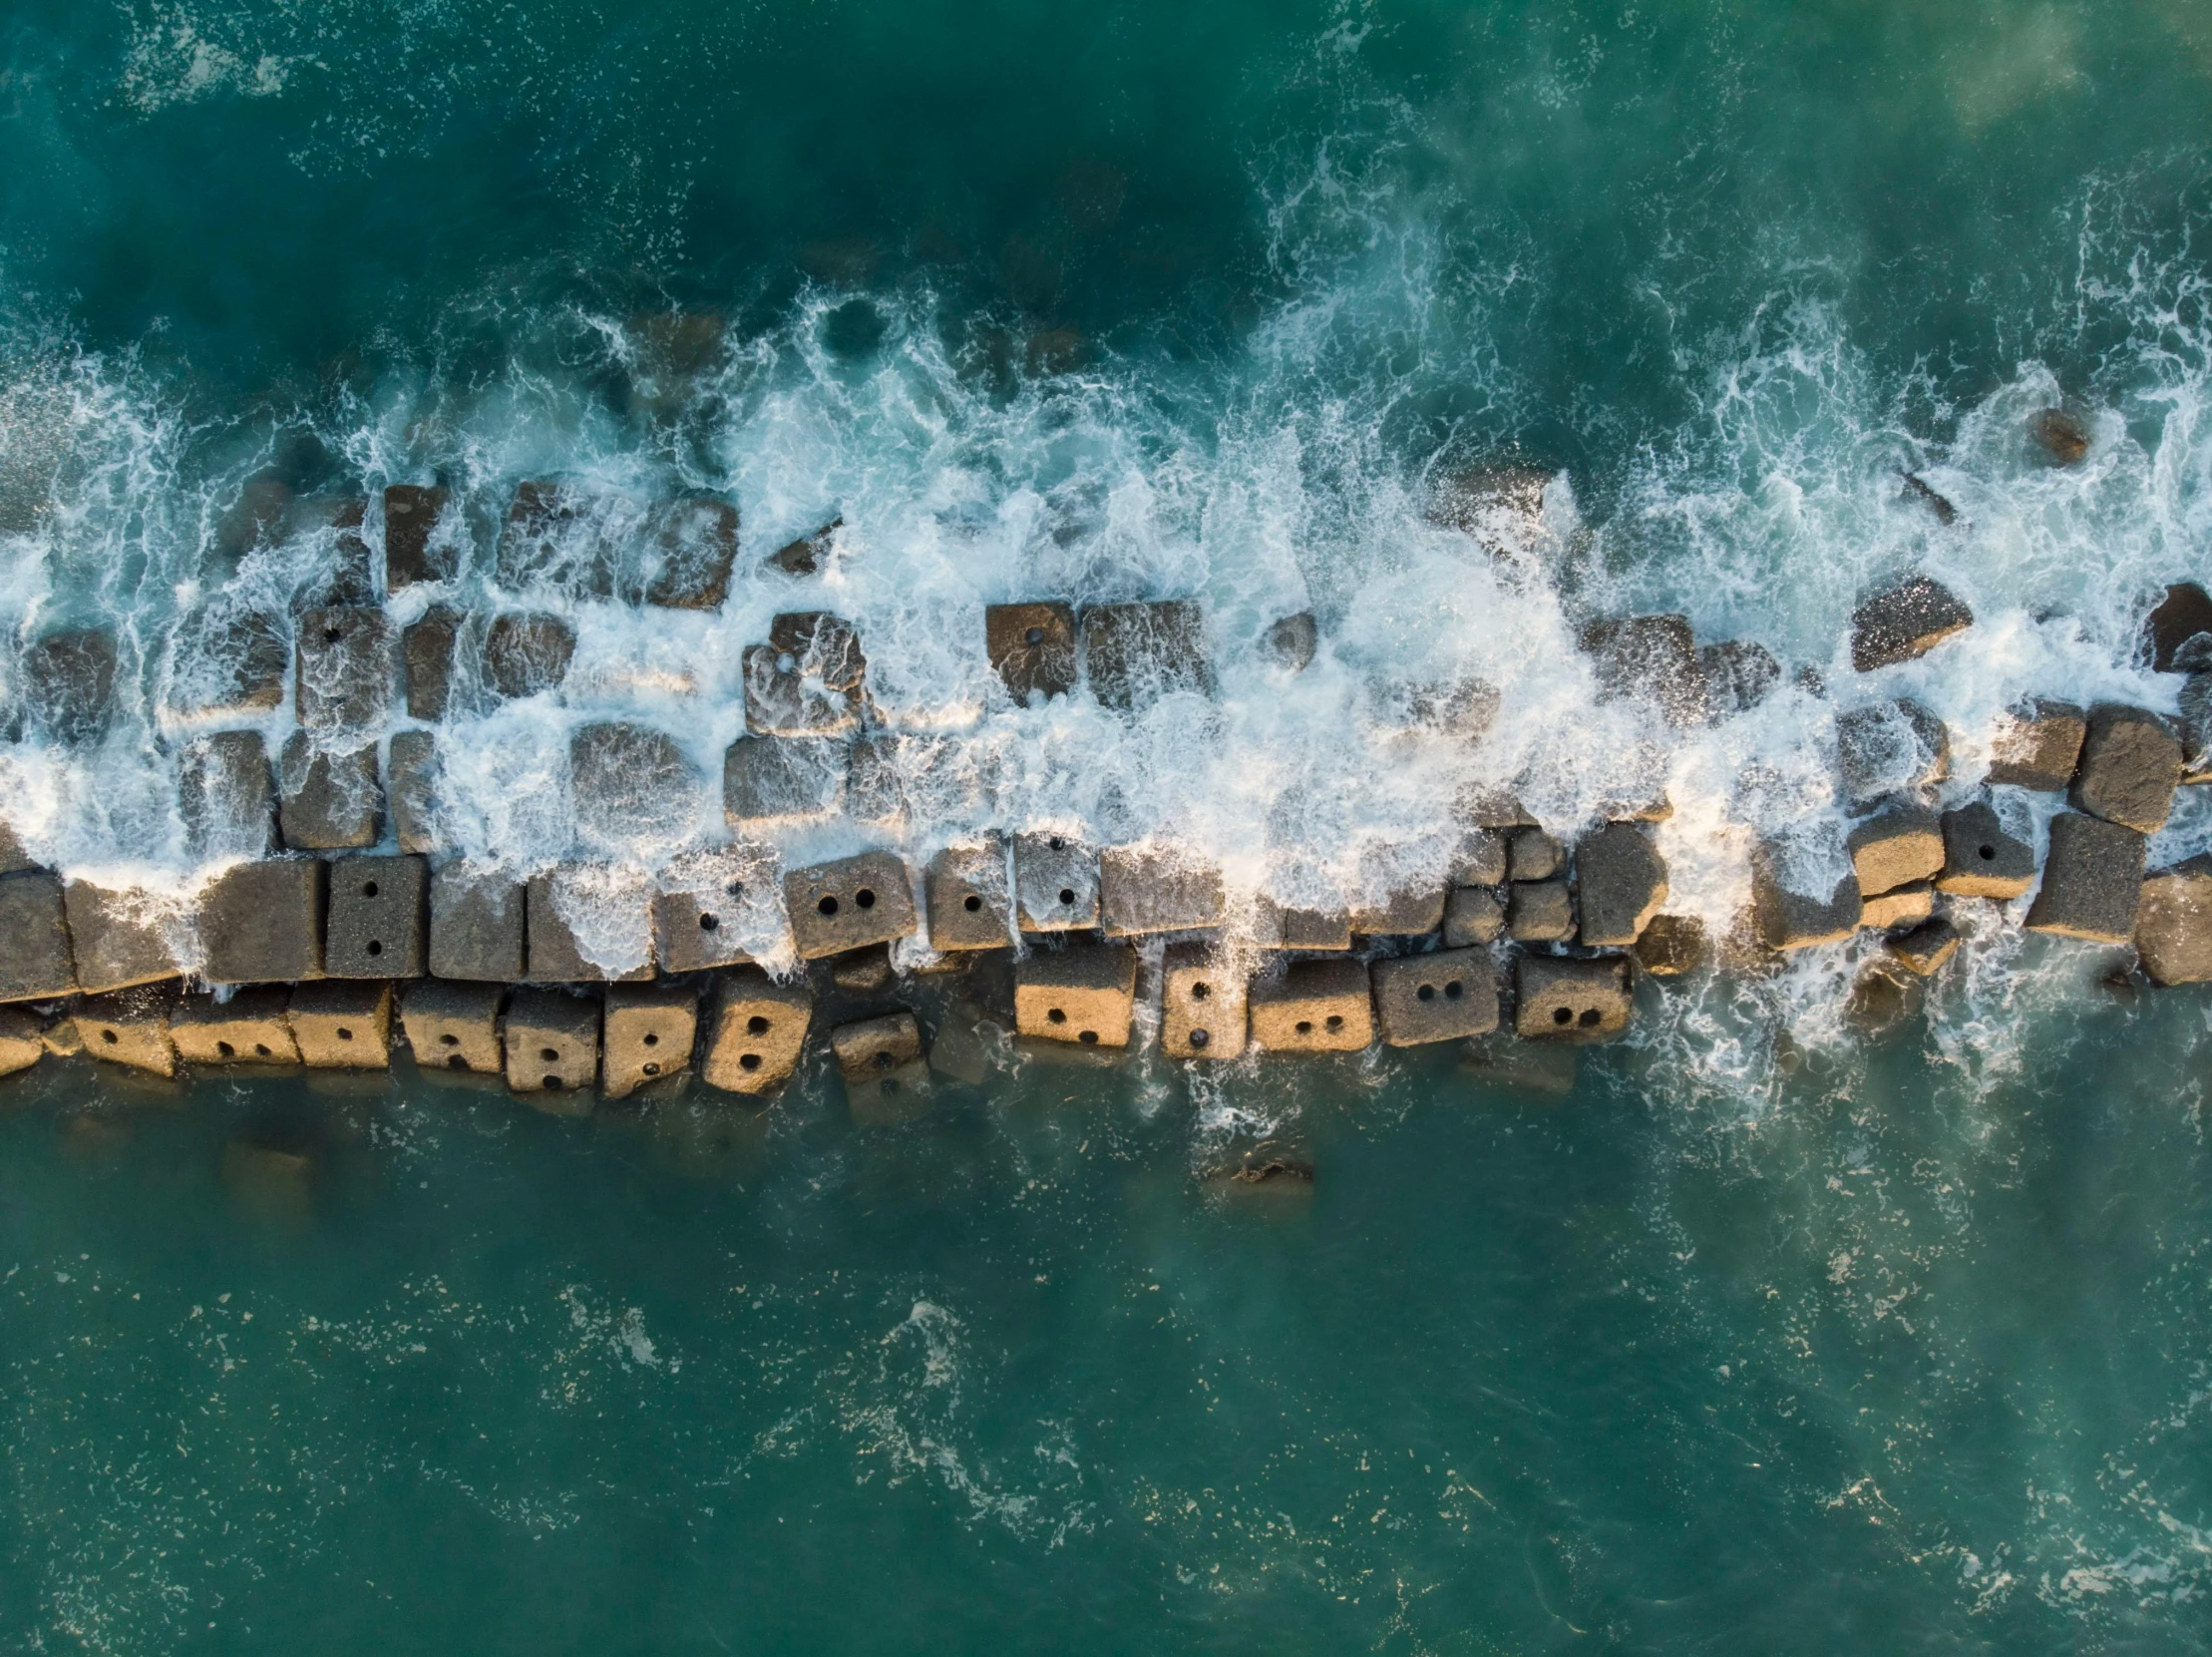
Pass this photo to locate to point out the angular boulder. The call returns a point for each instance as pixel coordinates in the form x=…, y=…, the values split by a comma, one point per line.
x=1531, y=854
x=1280, y=926
x=1579, y=1001
x=1901, y=906
x=2037, y=745
x=412, y=795
x=1738, y=673
x=2131, y=767
x=1896, y=747
x=1031, y=649
x=21, y=1045
x=328, y=800
x=691, y=546
x=1906, y=622
x=1671, y=944
x=2093, y=880
x=262, y=922
x=589, y=924
x=1981, y=859
x=1291, y=642
x=1789, y=918
x=1481, y=859
x=2173, y=923
x=347, y=664
x=1899, y=845
x=1620, y=884
x=1648, y=659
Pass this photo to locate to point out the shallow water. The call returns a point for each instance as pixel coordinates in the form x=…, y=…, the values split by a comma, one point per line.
x=1767, y=1337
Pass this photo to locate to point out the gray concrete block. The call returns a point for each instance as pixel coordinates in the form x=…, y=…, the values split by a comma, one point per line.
x=35, y=957
x=846, y=905
x=454, y=1027
x=579, y=915
x=783, y=698
x=1672, y=946
x=1981, y=860
x=824, y=646
x=1789, y=918
x=2131, y=767
x=2173, y=924
x=67, y=682
x=1531, y=854
x=1055, y=882
x=1156, y=888
x=347, y=666
x=413, y=551
x=1651, y=660
x=412, y=794
x=1312, y=1007
x=1031, y=649
x=377, y=925
x=693, y=542
x=14, y=859
x=2093, y=880
x=131, y=1028
x=2037, y=745
x=328, y=800
x=527, y=653
x=1473, y=914
x=121, y=938
x=631, y=784
x=1084, y=994
x=1620, y=883
x=427, y=654
x=251, y=1028
x=649, y=1031
x=1908, y=621
x=342, y=1027
x=1926, y=947
x=1540, y=912
x=757, y=1031
x=868, y=1047
x=1739, y=674
x=553, y=1049
x=226, y=795
x=1900, y=844
x=262, y=922
x=1202, y=1005
x=1901, y=906
x=476, y=921
x=1481, y=859
x=708, y=901
x=771, y=779
x=1888, y=749
x=1285, y=927
x=1408, y=911
x=1138, y=653
x=1291, y=642
x=1561, y=1000
x=1447, y=995
x=968, y=898
x=228, y=662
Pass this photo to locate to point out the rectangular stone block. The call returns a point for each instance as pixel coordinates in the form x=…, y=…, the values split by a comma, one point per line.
x=1672, y=946
x=427, y=648
x=347, y=661
x=454, y=1027
x=2037, y=745
x=589, y=923
x=694, y=544
x=1481, y=860
x=20, y=1043
x=773, y=779
x=121, y=938
x=1281, y=927
x=1620, y=884
x=1926, y=947
x=1560, y=999
x=553, y=1049
x=251, y=1028
x=649, y=1033
x=226, y=795
x=262, y=923
x=1473, y=914
x=228, y=662
x=378, y=919
x=1202, y=1005
x=2131, y=767
x=868, y=1047
x=477, y=919
x=1900, y=906
x=805, y=680
x=631, y=787
x=2173, y=925
x=757, y=1031
x=1156, y=888
x=67, y=682
x=342, y=1027
x=1084, y=994
x=1055, y=882
x=131, y=1028
x=527, y=653
x=1901, y=844
x=1403, y=912
x=1136, y=654
x=35, y=957
x=1447, y=995
x=1896, y=747
x=14, y=859
x=328, y=801
x=1907, y=622
x=849, y=904
x=414, y=551
x=412, y=794
x=1981, y=859
x=966, y=896
x=2093, y=880
x=1031, y=649
x=1313, y=1006
x=709, y=903
x=1540, y=912
x=1791, y=920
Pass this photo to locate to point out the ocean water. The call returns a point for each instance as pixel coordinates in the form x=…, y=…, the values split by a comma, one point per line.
x=1772, y=1328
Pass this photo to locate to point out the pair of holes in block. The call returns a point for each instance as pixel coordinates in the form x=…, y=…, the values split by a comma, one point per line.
x=1453, y=990
x=865, y=898
x=260, y=1050
x=708, y=921
x=1058, y=1016
x=1334, y=1023
x=1590, y=1020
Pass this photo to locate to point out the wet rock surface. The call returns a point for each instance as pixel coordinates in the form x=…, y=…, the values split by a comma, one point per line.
x=1135, y=654
x=1560, y=999
x=1981, y=857
x=2037, y=745
x=1906, y=622
x=262, y=922
x=2173, y=923
x=1031, y=649
x=1312, y=1007
x=2093, y=880
x=2131, y=767
x=1620, y=884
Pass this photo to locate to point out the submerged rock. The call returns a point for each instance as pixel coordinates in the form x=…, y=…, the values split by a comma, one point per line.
x=1886, y=748
x=693, y=542
x=1673, y=945
x=427, y=658
x=527, y=654
x=1908, y=621
x=347, y=665
x=68, y=684
x=412, y=512
x=2061, y=434
x=632, y=786
x=1926, y=947
x=807, y=555
x=1738, y=673
x=1917, y=488
x=1136, y=654
x=1291, y=641
x=1650, y=658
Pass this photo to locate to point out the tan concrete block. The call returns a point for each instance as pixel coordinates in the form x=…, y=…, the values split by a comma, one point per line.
x=131, y=1028
x=1055, y=882
x=757, y=1031
x=1446, y=996
x=342, y=1026
x=1313, y=1006
x=1202, y=1005
x=970, y=898
x=849, y=904
x=251, y=1028
x=454, y=1027
x=649, y=1033
x=1084, y=994
x=1561, y=1000
x=553, y=1049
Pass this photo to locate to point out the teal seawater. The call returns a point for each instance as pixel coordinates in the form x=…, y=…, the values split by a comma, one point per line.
x=1899, y=1345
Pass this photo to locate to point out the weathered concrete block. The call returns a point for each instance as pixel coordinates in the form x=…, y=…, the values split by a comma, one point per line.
x=1313, y=1006
x=347, y=665
x=1407, y=911
x=1137, y=653
x=555, y=536
x=1981, y=859
x=1671, y=944
x=2093, y=880
x=649, y=1033
x=262, y=923
x=1031, y=649
x=1558, y=1000
x=1903, y=623
x=411, y=516
x=1445, y=996
x=1901, y=906
x=67, y=681
x=631, y=784
x=1291, y=642
x=228, y=662
x=863, y=971
x=1473, y=914
x=1620, y=883
x=1791, y=920
x=1926, y=947
x=14, y=860
x=968, y=898
x=705, y=907
x=1083, y=994
x=413, y=791
x=2193, y=724
x=121, y=938
x=1650, y=658
x=2183, y=615
x=1461, y=710
x=868, y=1047
x=757, y=1032
x=856, y=901
x=1055, y=882
x=694, y=544
x=1202, y=1005
x=1540, y=912
x=825, y=646
x=1898, y=845
x=783, y=700
x=527, y=654
x=1889, y=748
x=426, y=658
x=378, y=922
x=1481, y=860
x=342, y=1027
x=1739, y=674
x=328, y=801
x=1531, y=854
x=476, y=921
x=454, y=1027
x=228, y=796
x=1156, y=888
x=21, y=1045
x=2037, y=745
x=2131, y=767
x=251, y=1028
x=553, y=1049
x=1281, y=927
x=768, y=779
x=35, y=962
x=2173, y=925
x=589, y=923
x=131, y=1028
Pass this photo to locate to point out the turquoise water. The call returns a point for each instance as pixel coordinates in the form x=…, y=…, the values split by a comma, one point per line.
x=1768, y=1336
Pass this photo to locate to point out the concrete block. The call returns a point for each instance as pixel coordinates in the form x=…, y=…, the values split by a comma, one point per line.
x=856, y=901
x=1739, y=674
x=131, y=1028
x=649, y=1033
x=2184, y=615
x=20, y=1043
x=771, y=779
x=863, y=971
x=1981, y=860
x=1031, y=649
x=589, y=923
x=347, y=665
x=1473, y=914
x=1084, y=994
x=1908, y=621
x=328, y=801
x=1481, y=860
x=121, y=938
x=1788, y=919
x=1620, y=883
x=1901, y=906
x=1202, y=1005
x=527, y=653
x=694, y=543
x=1055, y=882
x=426, y=661
x=783, y=700
x=968, y=1043
x=555, y=535
x=824, y=646
x=1408, y=911
x=757, y=1031
x=228, y=662
x=968, y=898
x=1540, y=912
x=251, y=1028
x=708, y=903
x=1282, y=928
x=1890, y=748
x=1137, y=653
x=413, y=551
x=228, y=796
x=2173, y=925
x=2037, y=745
x=2093, y=880
x=1560, y=999
x=67, y=682
x=2193, y=724
x=1531, y=854
x=1459, y=710
x=2131, y=767
x=1156, y=888
x=868, y=1047
x=1926, y=947
x=1651, y=660
x=454, y=1027
x=412, y=794
x=378, y=920
x=1900, y=844
x=1291, y=642
x=631, y=785
x=1672, y=946
x=262, y=922
x=35, y=957
x=1313, y=1006
x=1447, y=995
x=14, y=860
x=553, y=1049
x=898, y=1094
x=476, y=921
x=1493, y=807
x=342, y=1027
